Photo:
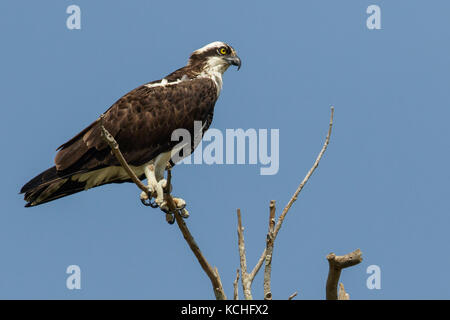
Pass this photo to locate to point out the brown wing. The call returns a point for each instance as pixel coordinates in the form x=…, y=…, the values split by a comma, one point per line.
x=142, y=123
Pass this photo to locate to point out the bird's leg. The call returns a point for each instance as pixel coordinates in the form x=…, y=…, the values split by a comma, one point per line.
x=150, y=175
x=155, y=185
x=158, y=186
x=179, y=203
x=160, y=165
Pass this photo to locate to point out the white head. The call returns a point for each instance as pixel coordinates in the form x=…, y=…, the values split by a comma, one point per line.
x=214, y=57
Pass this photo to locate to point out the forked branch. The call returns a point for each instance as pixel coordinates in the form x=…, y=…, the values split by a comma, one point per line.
x=212, y=273
x=337, y=263
x=266, y=256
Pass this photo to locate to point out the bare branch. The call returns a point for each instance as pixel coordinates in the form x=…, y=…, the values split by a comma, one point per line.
x=342, y=294
x=292, y=296
x=246, y=279
x=337, y=263
x=258, y=265
x=210, y=272
x=235, y=286
x=308, y=175
x=269, y=251
x=213, y=274
x=295, y=195
x=220, y=295
x=241, y=243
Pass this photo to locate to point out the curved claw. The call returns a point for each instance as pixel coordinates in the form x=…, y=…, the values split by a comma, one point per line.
x=184, y=213
x=149, y=203
x=182, y=208
x=170, y=218
x=180, y=204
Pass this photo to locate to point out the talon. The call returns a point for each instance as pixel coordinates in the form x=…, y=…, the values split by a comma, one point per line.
x=157, y=190
x=180, y=204
x=146, y=201
x=184, y=213
x=149, y=204
x=143, y=196
x=154, y=186
x=170, y=218
x=163, y=206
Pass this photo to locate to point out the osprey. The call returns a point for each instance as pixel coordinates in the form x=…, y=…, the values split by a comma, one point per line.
x=142, y=122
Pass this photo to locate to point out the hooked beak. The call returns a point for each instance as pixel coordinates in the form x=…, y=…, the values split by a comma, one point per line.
x=235, y=61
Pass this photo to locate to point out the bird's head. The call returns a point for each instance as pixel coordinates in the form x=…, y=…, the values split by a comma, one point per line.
x=215, y=57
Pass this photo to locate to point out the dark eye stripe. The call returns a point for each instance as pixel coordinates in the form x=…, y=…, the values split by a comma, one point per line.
x=223, y=50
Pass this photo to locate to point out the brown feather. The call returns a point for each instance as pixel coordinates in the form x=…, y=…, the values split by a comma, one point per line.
x=142, y=122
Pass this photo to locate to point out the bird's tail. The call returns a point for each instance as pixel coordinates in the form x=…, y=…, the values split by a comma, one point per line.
x=49, y=186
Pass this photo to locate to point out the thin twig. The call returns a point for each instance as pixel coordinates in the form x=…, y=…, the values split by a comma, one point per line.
x=235, y=286
x=258, y=265
x=308, y=175
x=336, y=264
x=295, y=195
x=269, y=250
x=220, y=293
x=292, y=296
x=213, y=274
x=241, y=243
x=245, y=278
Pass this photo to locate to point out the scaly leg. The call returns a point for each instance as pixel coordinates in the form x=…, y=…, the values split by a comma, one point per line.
x=157, y=184
x=154, y=173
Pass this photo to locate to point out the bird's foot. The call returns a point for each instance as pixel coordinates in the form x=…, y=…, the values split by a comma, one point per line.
x=180, y=206
x=155, y=190
x=158, y=190
x=146, y=198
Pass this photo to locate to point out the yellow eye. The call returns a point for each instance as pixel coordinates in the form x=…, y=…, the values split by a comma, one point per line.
x=223, y=51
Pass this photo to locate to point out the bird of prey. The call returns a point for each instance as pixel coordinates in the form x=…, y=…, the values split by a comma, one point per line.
x=142, y=122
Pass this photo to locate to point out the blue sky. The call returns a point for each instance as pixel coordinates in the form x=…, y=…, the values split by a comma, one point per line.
x=382, y=186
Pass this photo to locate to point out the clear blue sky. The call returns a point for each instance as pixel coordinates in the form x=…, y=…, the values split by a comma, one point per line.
x=382, y=186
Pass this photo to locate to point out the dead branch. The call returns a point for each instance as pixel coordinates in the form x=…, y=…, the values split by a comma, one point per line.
x=269, y=252
x=286, y=210
x=342, y=294
x=246, y=278
x=336, y=264
x=292, y=296
x=235, y=286
x=213, y=274
x=305, y=180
